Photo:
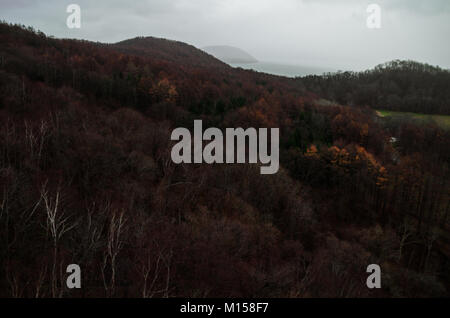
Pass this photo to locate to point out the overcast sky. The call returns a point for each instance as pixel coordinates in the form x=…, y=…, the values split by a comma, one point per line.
x=328, y=33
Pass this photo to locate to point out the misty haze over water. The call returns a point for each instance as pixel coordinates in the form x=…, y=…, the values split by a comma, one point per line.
x=288, y=70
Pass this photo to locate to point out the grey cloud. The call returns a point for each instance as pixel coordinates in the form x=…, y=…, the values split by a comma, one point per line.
x=414, y=6
x=321, y=32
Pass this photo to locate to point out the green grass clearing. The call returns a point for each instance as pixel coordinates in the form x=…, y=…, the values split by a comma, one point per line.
x=441, y=120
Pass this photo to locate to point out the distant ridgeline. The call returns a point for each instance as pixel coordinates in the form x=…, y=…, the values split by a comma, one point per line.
x=405, y=86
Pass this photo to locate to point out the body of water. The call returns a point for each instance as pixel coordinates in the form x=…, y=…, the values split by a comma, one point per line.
x=283, y=69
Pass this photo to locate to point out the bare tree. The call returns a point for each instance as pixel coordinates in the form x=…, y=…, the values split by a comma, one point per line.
x=430, y=238
x=57, y=225
x=13, y=284
x=36, y=138
x=406, y=231
x=113, y=248
x=94, y=231
x=40, y=280
x=152, y=271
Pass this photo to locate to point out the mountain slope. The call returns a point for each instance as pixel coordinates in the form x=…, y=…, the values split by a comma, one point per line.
x=172, y=51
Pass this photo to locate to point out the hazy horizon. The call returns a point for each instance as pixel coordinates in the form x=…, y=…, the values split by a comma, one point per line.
x=319, y=33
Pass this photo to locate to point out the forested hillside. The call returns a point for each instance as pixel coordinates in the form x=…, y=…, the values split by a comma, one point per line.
x=86, y=177
x=405, y=86
x=169, y=51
